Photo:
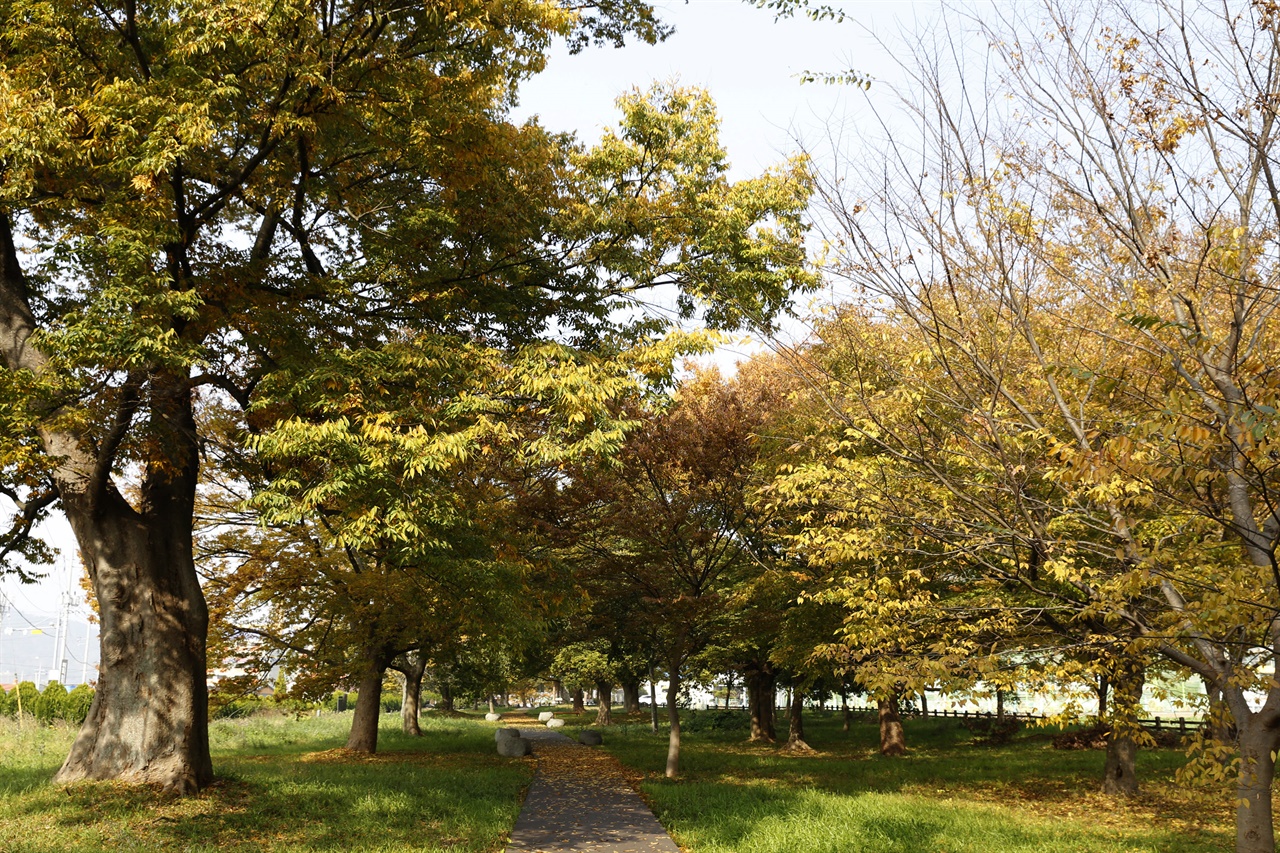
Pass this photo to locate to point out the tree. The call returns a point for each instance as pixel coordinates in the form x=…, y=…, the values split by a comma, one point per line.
x=667, y=520
x=195, y=200
x=1086, y=287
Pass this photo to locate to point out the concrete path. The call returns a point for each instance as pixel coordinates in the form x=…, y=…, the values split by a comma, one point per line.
x=580, y=802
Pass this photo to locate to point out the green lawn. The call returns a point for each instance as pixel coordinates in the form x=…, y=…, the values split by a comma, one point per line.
x=948, y=794
x=285, y=785
x=282, y=786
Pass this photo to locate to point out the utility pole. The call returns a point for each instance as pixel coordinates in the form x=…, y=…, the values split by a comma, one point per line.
x=60, y=654
x=4, y=611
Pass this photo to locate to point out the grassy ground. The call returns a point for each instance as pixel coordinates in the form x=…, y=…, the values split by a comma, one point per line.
x=283, y=786
x=949, y=794
x=286, y=786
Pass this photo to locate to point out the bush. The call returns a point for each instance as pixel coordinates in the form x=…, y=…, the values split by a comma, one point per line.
x=993, y=731
x=78, y=702
x=8, y=704
x=52, y=703
x=715, y=721
x=25, y=696
x=391, y=702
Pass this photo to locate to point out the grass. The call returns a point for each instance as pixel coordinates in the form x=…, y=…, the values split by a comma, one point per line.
x=283, y=785
x=286, y=785
x=949, y=794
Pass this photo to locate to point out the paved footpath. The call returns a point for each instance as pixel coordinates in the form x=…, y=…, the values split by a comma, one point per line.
x=580, y=802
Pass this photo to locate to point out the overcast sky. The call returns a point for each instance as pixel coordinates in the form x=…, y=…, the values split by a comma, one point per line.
x=750, y=64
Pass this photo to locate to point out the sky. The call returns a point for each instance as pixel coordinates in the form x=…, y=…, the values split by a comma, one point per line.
x=748, y=61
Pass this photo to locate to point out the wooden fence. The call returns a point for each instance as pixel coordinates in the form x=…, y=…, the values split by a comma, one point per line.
x=1183, y=725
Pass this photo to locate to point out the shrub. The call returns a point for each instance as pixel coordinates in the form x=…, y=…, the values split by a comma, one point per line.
x=25, y=696
x=8, y=703
x=52, y=703
x=993, y=731
x=391, y=702
x=78, y=702
x=715, y=721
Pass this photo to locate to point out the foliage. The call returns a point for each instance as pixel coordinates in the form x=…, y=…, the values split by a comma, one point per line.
x=52, y=703
x=77, y=705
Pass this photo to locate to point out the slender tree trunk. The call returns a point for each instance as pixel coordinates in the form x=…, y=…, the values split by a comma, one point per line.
x=795, y=721
x=579, y=707
x=728, y=688
x=631, y=695
x=604, y=704
x=411, y=695
x=653, y=701
x=892, y=740
x=844, y=708
x=673, y=716
x=1104, y=687
x=760, y=697
x=364, y=723
x=1255, y=832
x=924, y=704
x=999, y=705
x=1120, y=774
x=148, y=722
x=446, y=697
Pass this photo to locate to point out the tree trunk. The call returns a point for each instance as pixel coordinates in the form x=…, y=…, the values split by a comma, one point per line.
x=844, y=708
x=364, y=723
x=631, y=695
x=1120, y=774
x=999, y=705
x=760, y=697
x=1104, y=686
x=924, y=704
x=1255, y=832
x=653, y=702
x=446, y=697
x=579, y=707
x=604, y=703
x=673, y=716
x=1221, y=728
x=411, y=696
x=149, y=720
x=795, y=721
x=892, y=740
x=728, y=688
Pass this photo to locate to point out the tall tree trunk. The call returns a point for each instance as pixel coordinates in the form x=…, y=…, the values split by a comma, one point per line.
x=673, y=716
x=1255, y=832
x=795, y=721
x=411, y=695
x=630, y=695
x=364, y=723
x=653, y=701
x=604, y=703
x=1127, y=675
x=728, y=688
x=446, y=697
x=1104, y=687
x=924, y=703
x=760, y=698
x=999, y=705
x=892, y=740
x=844, y=708
x=579, y=707
x=148, y=722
